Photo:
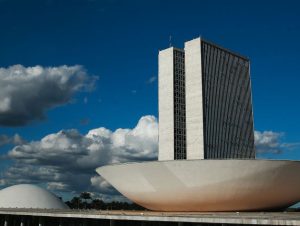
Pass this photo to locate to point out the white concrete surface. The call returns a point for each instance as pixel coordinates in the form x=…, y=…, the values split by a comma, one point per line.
x=194, y=105
x=166, y=104
x=207, y=185
x=29, y=196
x=239, y=218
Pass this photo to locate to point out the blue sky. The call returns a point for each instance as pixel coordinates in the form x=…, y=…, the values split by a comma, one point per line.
x=117, y=44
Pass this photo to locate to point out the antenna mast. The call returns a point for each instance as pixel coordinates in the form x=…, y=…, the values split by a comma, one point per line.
x=170, y=41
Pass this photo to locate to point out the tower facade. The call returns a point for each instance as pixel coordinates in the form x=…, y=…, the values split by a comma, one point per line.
x=205, y=103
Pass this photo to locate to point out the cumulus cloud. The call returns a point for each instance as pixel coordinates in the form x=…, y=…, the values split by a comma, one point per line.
x=271, y=142
x=15, y=140
x=66, y=161
x=26, y=93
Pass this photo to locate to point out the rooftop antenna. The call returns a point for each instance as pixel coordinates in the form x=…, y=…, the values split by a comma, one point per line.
x=170, y=41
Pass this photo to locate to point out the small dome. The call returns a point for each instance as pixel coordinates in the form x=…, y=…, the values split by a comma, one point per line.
x=29, y=196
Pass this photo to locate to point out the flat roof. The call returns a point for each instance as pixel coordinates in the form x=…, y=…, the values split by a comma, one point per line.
x=254, y=218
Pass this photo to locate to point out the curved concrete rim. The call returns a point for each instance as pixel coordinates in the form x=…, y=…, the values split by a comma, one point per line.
x=190, y=160
x=207, y=185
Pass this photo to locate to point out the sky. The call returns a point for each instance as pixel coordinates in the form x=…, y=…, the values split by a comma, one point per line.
x=78, y=81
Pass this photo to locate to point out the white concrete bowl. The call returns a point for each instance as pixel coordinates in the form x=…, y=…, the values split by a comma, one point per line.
x=207, y=185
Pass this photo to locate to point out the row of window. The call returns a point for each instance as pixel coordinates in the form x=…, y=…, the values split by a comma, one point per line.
x=209, y=77
x=179, y=71
x=180, y=129
x=179, y=65
x=180, y=144
x=224, y=54
x=179, y=120
x=179, y=80
x=180, y=109
x=178, y=53
x=180, y=156
x=179, y=113
x=235, y=141
x=179, y=88
x=179, y=151
x=179, y=84
x=179, y=97
x=179, y=136
x=229, y=65
x=178, y=103
x=179, y=106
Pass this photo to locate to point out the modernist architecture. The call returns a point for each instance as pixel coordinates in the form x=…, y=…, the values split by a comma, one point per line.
x=205, y=119
x=206, y=143
x=205, y=106
x=207, y=185
x=29, y=196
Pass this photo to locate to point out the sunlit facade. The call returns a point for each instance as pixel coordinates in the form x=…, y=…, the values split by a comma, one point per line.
x=205, y=103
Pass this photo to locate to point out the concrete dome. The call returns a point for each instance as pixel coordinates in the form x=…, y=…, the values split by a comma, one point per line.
x=29, y=196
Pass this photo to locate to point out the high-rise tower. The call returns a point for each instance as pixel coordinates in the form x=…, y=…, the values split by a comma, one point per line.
x=205, y=103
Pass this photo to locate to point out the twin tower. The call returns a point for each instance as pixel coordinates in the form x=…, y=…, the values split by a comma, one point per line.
x=205, y=103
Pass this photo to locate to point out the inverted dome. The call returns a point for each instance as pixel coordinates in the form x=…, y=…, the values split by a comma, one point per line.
x=207, y=185
x=29, y=196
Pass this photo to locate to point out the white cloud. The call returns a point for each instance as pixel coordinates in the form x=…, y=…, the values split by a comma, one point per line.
x=151, y=80
x=271, y=142
x=27, y=92
x=66, y=161
x=15, y=140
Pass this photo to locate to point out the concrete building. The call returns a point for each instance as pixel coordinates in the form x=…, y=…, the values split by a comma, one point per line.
x=206, y=141
x=205, y=119
x=205, y=103
x=29, y=196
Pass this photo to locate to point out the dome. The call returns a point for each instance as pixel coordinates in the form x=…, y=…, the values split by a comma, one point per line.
x=29, y=196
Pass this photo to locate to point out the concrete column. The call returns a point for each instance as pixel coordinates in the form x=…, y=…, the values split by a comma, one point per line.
x=166, y=104
x=6, y=221
x=194, y=104
x=41, y=221
x=22, y=221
